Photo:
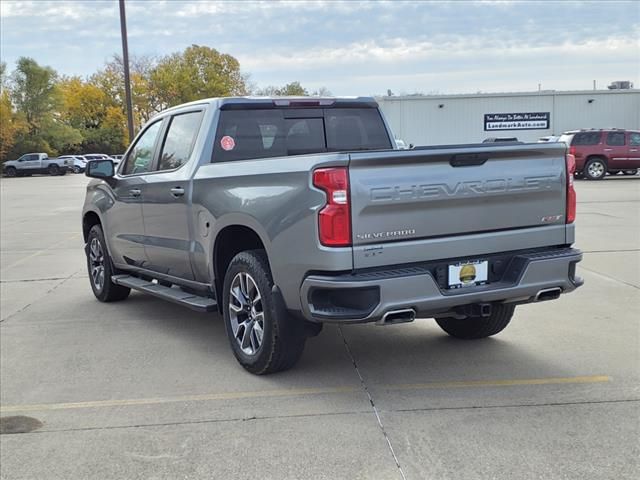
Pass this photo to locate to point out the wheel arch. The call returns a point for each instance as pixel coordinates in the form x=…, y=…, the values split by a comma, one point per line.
x=229, y=241
x=89, y=219
x=594, y=156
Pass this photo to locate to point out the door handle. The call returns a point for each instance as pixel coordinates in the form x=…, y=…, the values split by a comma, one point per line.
x=608, y=149
x=177, y=191
x=135, y=192
x=633, y=150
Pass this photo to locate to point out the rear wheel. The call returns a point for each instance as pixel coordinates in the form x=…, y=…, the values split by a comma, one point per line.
x=10, y=171
x=478, y=327
x=595, y=169
x=633, y=171
x=264, y=339
x=100, y=269
x=53, y=169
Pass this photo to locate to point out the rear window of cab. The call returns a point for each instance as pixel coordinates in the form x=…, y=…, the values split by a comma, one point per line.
x=247, y=134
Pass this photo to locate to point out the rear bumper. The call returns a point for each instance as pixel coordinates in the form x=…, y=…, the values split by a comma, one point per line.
x=367, y=296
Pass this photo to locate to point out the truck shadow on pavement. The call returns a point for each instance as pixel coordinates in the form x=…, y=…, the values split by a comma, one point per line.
x=416, y=352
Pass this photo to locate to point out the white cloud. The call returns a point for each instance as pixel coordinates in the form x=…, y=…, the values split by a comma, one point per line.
x=458, y=48
x=58, y=10
x=351, y=47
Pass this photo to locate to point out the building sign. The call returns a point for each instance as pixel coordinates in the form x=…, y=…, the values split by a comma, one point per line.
x=517, y=121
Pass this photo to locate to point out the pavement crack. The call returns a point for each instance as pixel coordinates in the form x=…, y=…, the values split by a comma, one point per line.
x=28, y=280
x=518, y=405
x=2, y=320
x=610, y=277
x=373, y=405
x=192, y=422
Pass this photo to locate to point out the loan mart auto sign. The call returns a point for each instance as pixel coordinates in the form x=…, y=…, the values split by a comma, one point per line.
x=517, y=121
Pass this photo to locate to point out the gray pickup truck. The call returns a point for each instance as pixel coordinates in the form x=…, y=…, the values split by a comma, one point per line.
x=34, y=163
x=285, y=213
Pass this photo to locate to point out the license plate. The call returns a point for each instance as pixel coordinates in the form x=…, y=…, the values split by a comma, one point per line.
x=468, y=274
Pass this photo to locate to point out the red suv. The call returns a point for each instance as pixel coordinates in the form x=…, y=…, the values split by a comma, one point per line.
x=605, y=150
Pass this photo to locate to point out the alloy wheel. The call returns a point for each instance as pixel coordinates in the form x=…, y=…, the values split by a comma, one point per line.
x=596, y=169
x=246, y=313
x=96, y=260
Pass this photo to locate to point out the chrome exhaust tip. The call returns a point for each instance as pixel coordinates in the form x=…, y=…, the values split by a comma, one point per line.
x=392, y=317
x=548, y=294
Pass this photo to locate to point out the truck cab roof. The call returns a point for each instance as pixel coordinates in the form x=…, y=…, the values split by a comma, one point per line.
x=251, y=102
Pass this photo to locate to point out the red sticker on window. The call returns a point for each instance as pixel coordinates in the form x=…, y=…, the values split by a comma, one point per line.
x=227, y=143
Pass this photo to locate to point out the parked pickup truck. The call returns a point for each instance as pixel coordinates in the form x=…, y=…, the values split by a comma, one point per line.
x=283, y=214
x=31, y=163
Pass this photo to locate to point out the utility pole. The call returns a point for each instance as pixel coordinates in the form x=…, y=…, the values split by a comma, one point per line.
x=125, y=61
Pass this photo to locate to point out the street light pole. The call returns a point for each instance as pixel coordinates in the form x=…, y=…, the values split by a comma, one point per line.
x=125, y=61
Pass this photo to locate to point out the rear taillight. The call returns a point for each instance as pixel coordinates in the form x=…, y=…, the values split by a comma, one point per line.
x=572, y=151
x=334, y=219
x=571, y=191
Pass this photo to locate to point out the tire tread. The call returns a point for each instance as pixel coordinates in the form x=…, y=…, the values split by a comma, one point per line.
x=111, y=292
x=287, y=335
x=475, y=328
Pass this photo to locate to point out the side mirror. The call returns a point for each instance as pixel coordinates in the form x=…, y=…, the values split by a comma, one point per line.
x=102, y=169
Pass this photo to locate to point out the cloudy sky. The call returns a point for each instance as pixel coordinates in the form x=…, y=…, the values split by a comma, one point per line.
x=350, y=47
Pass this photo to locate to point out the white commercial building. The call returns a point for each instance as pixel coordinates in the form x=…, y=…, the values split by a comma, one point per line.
x=450, y=119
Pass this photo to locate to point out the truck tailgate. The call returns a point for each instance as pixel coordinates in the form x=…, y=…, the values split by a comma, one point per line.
x=452, y=191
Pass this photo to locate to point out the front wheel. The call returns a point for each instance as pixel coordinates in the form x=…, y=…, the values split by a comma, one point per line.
x=264, y=339
x=471, y=328
x=10, y=172
x=100, y=269
x=76, y=169
x=595, y=169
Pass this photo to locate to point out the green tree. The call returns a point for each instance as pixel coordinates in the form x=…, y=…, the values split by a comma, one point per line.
x=110, y=137
x=34, y=92
x=61, y=137
x=111, y=81
x=37, y=100
x=198, y=72
x=291, y=89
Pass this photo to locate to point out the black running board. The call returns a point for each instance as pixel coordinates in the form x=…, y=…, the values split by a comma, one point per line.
x=175, y=295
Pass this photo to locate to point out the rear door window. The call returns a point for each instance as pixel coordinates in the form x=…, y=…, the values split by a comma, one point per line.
x=587, y=138
x=246, y=134
x=179, y=141
x=615, y=139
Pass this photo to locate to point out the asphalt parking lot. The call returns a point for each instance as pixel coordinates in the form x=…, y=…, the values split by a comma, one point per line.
x=147, y=389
